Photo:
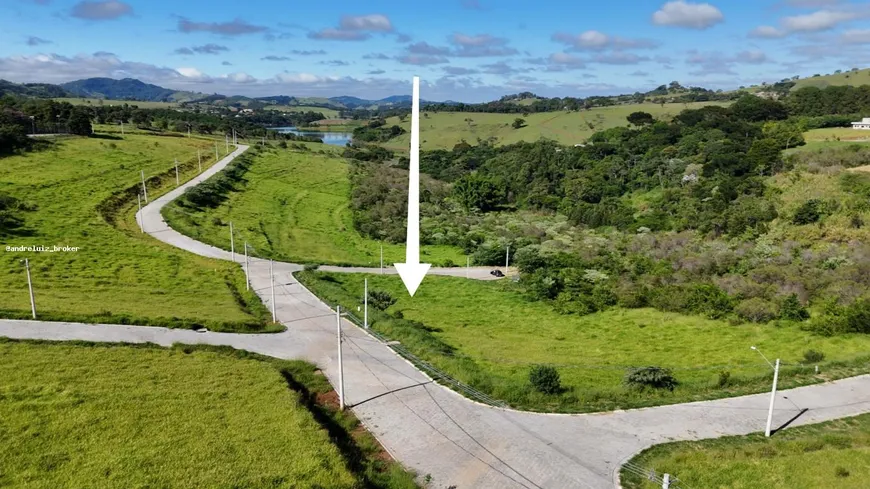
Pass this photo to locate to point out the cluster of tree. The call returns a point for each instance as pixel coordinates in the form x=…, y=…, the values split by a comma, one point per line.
x=367, y=152
x=833, y=100
x=376, y=131
x=20, y=117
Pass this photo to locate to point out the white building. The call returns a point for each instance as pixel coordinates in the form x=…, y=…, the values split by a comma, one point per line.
x=864, y=124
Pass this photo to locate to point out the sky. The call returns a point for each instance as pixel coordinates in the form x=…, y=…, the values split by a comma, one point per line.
x=463, y=50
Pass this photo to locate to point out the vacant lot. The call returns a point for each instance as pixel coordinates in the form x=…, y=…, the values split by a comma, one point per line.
x=82, y=194
x=488, y=335
x=187, y=417
x=445, y=129
x=821, y=456
x=294, y=207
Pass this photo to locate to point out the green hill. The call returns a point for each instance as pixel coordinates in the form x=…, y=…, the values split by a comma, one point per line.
x=127, y=89
x=41, y=90
x=853, y=78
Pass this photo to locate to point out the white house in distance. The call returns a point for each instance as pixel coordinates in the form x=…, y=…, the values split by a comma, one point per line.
x=864, y=124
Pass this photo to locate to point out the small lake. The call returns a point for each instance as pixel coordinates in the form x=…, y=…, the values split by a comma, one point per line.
x=329, y=137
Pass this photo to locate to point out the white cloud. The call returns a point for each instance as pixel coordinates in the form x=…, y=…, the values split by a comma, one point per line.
x=817, y=21
x=767, y=32
x=375, y=22
x=597, y=40
x=856, y=36
x=690, y=15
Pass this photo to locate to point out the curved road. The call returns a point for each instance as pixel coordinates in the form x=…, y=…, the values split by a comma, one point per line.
x=433, y=430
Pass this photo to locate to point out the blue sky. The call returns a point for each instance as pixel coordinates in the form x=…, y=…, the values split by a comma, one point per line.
x=468, y=50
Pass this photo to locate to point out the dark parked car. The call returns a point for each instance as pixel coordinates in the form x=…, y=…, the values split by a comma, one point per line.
x=497, y=273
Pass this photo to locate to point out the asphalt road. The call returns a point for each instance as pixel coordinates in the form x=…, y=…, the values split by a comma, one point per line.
x=434, y=430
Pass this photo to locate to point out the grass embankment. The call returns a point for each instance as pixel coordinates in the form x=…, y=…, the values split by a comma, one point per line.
x=488, y=335
x=96, y=415
x=294, y=206
x=84, y=192
x=820, y=456
x=443, y=130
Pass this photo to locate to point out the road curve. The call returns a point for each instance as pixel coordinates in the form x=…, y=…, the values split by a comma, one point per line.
x=433, y=430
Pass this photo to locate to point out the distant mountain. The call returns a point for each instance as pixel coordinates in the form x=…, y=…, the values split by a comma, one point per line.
x=126, y=89
x=41, y=90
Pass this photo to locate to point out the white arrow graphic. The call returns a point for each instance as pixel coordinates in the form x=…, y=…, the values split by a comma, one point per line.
x=412, y=271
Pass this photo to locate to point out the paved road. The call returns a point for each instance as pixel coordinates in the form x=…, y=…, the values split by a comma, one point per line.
x=433, y=430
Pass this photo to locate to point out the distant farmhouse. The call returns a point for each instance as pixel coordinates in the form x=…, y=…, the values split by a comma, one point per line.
x=864, y=124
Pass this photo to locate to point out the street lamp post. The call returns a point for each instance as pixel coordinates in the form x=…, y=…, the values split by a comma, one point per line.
x=772, y=391
x=33, y=124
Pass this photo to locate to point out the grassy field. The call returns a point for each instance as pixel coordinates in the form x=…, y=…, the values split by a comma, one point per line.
x=109, y=102
x=821, y=456
x=328, y=113
x=445, y=129
x=488, y=335
x=83, y=192
x=81, y=415
x=854, y=78
x=294, y=207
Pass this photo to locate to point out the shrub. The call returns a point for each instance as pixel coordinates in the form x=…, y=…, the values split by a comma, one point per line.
x=842, y=472
x=724, y=379
x=813, y=356
x=653, y=377
x=380, y=299
x=793, y=310
x=756, y=310
x=310, y=267
x=545, y=379
x=710, y=300
x=808, y=213
x=858, y=317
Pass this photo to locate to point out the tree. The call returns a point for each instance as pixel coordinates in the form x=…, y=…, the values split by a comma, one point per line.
x=545, y=379
x=808, y=213
x=518, y=123
x=475, y=191
x=640, y=118
x=764, y=156
x=79, y=122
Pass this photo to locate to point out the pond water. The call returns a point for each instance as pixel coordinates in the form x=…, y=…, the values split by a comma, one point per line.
x=329, y=137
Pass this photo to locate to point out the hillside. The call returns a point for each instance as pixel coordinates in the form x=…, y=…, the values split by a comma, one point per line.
x=852, y=78
x=442, y=130
x=41, y=90
x=126, y=89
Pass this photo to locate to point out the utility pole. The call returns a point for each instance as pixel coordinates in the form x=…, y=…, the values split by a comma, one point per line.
x=216, y=156
x=232, y=242
x=666, y=481
x=144, y=190
x=272, y=278
x=340, y=366
x=139, y=214
x=188, y=131
x=366, y=304
x=247, y=272
x=772, y=399
x=467, y=266
x=177, y=181
x=507, y=257
x=33, y=124
x=199, y=157
x=30, y=288
x=382, y=259
x=227, y=141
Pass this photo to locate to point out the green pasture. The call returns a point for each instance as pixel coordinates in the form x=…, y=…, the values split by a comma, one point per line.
x=81, y=193
x=489, y=335
x=101, y=416
x=294, y=206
